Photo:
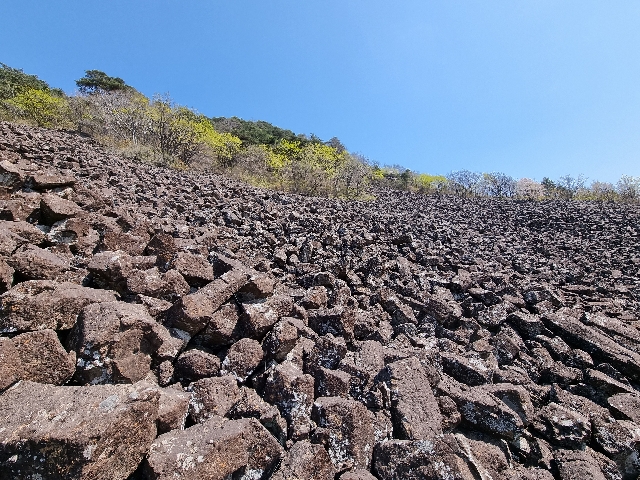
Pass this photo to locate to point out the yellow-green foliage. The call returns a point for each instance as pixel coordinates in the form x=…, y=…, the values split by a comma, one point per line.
x=224, y=145
x=41, y=107
x=430, y=183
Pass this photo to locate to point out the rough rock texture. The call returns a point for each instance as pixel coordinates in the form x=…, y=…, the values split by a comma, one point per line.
x=267, y=335
x=99, y=432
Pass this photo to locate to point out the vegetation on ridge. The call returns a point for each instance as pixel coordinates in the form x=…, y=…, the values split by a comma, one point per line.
x=157, y=130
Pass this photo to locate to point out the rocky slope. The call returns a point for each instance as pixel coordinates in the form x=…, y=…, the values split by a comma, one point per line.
x=158, y=325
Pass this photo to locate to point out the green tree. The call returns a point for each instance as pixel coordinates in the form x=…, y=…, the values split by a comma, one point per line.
x=14, y=81
x=97, y=81
x=41, y=107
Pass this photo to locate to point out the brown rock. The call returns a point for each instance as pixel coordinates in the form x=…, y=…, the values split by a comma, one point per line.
x=214, y=452
x=115, y=342
x=357, y=475
x=345, y=427
x=34, y=263
x=48, y=181
x=411, y=400
x=6, y=276
x=306, y=460
x=292, y=392
x=26, y=232
x=338, y=321
x=193, y=312
x=260, y=315
x=213, y=397
x=577, y=465
x=11, y=176
x=437, y=459
x=250, y=405
x=562, y=426
x=626, y=405
x=280, y=340
x=10, y=364
x=44, y=359
x=196, y=269
x=54, y=208
x=194, y=365
x=173, y=409
x=89, y=433
x=45, y=304
x=168, y=286
x=221, y=329
x=242, y=359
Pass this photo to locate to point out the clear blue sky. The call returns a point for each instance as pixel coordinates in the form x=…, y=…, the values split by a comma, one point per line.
x=531, y=88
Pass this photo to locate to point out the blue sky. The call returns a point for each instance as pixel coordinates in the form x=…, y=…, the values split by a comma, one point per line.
x=528, y=88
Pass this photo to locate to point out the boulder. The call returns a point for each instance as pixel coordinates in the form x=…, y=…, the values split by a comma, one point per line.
x=306, y=460
x=213, y=451
x=413, y=406
x=10, y=364
x=213, y=397
x=85, y=433
x=35, y=263
x=54, y=208
x=242, y=359
x=116, y=342
x=195, y=364
x=43, y=358
x=345, y=427
x=46, y=304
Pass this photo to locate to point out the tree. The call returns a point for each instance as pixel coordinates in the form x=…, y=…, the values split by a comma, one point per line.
x=41, y=107
x=97, y=81
x=628, y=188
x=14, y=81
x=528, y=189
x=497, y=184
x=464, y=182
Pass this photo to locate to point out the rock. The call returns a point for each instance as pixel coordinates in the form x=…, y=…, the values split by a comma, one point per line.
x=221, y=328
x=331, y=383
x=472, y=371
x=414, y=408
x=345, y=427
x=338, y=321
x=213, y=397
x=45, y=304
x=115, y=342
x=163, y=247
x=193, y=312
x=280, y=340
x=306, y=460
x=357, y=475
x=89, y=433
x=242, y=359
x=49, y=181
x=173, y=409
x=10, y=364
x=168, y=286
x=260, y=315
x=194, y=365
x=34, y=263
x=43, y=358
x=420, y=460
x=195, y=269
x=213, y=451
x=577, y=464
x=251, y=405
x=485, y=412
x=54, y=208
x=292, y=392
x=626, y=405
x=111, y=269
x=6, y=276
x=595, y=343
x=562, y=426
x=11, y=176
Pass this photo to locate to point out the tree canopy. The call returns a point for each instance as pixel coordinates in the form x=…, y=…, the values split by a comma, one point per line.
x=96, y=81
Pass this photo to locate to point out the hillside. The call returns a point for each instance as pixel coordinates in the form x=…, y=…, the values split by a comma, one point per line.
x=162, y=324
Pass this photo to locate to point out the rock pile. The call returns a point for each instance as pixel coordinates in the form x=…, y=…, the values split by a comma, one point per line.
x=156, y=324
